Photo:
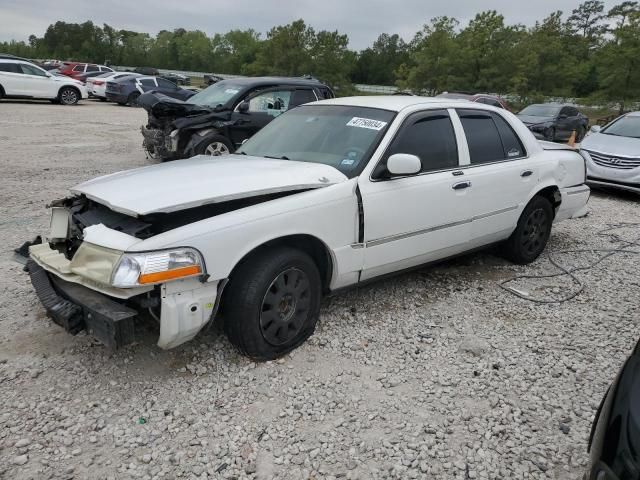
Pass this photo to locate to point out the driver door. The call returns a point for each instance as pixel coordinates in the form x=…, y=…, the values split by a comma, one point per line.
x=415, y=219
x=263, y=106
x=37, y=82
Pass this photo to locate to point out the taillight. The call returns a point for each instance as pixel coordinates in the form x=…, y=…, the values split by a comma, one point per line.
x=98, y=82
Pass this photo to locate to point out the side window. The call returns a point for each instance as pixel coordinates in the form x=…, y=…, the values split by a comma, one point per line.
x=513, y=147
x=429, y=136
x=147, y=82
x=302, y=96
x=572, y=112
x=31, y=70
x=10, y=67
x=485, y=144
x=79, y=68
x=565, y=112
x=92, y=68
x=494, y=103
x=166, y=84
x=272, y=103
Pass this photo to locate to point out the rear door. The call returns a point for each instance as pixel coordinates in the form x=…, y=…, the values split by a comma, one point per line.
x=12, y=78
x=500, y=171
x=414, y=219
x=264, y=106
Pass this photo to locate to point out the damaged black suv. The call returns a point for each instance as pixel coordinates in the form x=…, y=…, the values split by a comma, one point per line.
x=218, y=119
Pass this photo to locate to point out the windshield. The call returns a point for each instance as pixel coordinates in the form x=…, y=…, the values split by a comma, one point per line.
x=339, y=136
x=217, y=94
x=624, y=127
x=541, y=111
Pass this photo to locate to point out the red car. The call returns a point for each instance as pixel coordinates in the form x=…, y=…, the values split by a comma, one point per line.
x=492, y=100
x=75, y=69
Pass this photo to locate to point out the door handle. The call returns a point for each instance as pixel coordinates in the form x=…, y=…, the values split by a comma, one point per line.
x=461, y=185
x=457, y=173
x=526, y=173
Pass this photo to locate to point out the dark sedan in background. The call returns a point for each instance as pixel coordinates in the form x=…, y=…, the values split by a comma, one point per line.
x=127, y=90
x=554, y=122
x=615, y=436
x=485, y=98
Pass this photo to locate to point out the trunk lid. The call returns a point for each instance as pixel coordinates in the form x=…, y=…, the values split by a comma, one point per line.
x=174, y=186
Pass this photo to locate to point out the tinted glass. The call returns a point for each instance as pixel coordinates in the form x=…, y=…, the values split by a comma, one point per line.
x=10, y=67
x=340, y=136
x=166, y=84
x=512, y=145
x=300, y=97
x=430, y=137
x=31, y=70
x=92, y=68
x=485, y=144
x=78, y=68
x=572, y=112
x=148, y=82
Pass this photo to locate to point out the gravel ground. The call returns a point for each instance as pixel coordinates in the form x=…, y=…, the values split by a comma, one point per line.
x=434, y=374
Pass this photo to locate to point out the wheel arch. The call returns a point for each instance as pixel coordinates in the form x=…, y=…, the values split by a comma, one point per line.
x=72, y=87
x=198, y=136
x=552, y=194
x=318, y=250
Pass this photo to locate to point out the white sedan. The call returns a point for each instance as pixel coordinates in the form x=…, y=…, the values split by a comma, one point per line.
x=97, y=86
x=329, y=195
x=613, y=154
x=22, y=79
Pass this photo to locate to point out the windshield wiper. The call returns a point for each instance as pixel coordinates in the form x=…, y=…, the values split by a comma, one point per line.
x=283, y=157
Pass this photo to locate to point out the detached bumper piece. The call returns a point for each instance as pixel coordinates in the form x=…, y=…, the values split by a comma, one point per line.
x=76, y=308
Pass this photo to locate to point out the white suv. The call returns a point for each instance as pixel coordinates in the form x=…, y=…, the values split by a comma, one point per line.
x=21, y=79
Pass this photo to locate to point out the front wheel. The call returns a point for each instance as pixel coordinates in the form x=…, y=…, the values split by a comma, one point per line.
x=272, y=302
x=532, y=233
x=68, y=96
x=214, y=146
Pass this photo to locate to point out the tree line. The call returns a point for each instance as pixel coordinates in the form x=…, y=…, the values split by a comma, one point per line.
x=590, y=53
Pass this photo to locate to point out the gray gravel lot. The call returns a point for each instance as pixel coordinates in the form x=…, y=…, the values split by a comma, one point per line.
x=434, y=374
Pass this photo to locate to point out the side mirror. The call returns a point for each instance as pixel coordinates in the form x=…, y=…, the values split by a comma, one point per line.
x=243, y=107
x=596, y=128
x=403, y=164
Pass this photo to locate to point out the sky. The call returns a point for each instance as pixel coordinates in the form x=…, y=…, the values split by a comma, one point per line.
x=362, y=20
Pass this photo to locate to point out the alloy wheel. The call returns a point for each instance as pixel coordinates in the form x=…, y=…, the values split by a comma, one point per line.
x=68, y=97
x=216, y=149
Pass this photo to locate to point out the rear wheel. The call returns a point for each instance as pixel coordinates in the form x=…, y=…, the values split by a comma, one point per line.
x=272, y=302
x=132, y=100
x=68, y=96
x=532, y=233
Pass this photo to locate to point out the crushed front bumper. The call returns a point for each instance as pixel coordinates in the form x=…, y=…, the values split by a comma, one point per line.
x=76, y=308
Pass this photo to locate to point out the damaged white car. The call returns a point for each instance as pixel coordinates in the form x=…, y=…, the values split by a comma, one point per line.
x=328, y=195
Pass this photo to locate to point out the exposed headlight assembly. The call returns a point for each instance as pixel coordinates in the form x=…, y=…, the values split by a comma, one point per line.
x=136, y=269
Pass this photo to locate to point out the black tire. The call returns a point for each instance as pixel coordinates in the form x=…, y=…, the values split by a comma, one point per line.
x=214, y=145
x=532, y=233
x=102, y=99
x=550, y=134
x=1, y=92
x=253, y=322
x=68, y=96
x=132, y=99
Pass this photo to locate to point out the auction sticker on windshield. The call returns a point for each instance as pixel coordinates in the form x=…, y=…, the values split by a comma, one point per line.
x=366, y=123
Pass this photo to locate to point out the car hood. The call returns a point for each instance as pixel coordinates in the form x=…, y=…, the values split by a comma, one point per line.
x=612, y=144
x=201, y=180
x=530, y=120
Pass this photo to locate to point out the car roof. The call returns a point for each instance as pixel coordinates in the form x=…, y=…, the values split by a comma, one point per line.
x=632, y=114
x=260, y=81
x=392, y=102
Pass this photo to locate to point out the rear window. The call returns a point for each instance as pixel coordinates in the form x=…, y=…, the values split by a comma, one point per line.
x=92, y=68
x=10, y=67
x=489, y=137
x=78, y=68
